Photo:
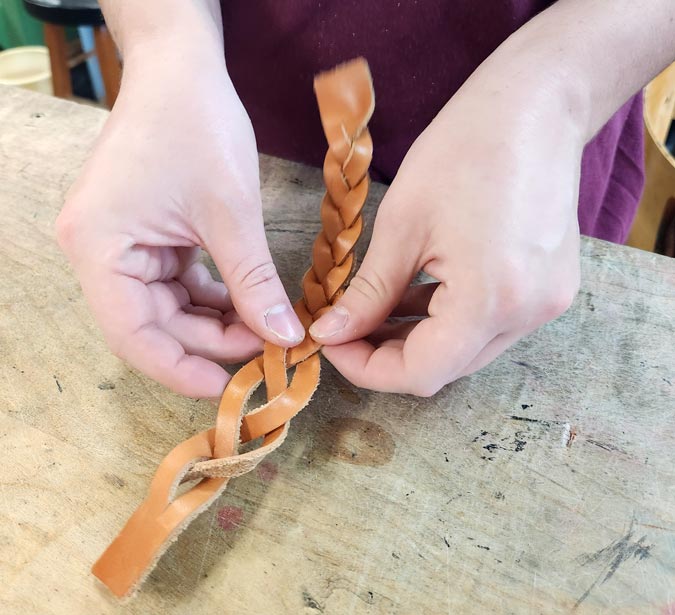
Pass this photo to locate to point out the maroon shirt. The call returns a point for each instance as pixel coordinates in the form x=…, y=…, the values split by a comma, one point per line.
x=420, y=53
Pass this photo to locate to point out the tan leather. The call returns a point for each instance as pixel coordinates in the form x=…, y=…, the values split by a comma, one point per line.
x=346, y=101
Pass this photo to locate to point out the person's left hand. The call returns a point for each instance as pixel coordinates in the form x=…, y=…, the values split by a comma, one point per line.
x=489, y=209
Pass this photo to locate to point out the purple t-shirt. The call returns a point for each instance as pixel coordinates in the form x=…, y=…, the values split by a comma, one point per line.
x=420, y=53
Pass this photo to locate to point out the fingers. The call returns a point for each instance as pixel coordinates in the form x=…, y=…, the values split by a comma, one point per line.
x=493, y=349
x=374, y=291
x=419, y=358
x=390, y=331
x=159, y=356
x=200, y=332
x=433, y=354
x=222, y=336
x=210, y=338
x=392, y=358
x=146, y=326
x=203, y=311
x=415, y=300
x=245, y=263
x=128, y=314
x=204, y=290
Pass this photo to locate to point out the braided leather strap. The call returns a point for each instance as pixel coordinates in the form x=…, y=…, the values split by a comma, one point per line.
x=346, y=101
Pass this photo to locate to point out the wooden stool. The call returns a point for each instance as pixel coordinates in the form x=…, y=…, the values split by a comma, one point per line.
x=654, y=226
x=56, y=14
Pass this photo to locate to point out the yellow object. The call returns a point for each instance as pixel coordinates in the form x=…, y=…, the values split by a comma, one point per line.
x=652, y=221
x=26, y=67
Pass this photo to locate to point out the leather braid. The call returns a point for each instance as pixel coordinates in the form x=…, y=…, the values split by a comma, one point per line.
x=346, y=101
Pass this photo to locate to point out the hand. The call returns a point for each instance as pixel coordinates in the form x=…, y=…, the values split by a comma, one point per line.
x=175, y=170
x=487, y=208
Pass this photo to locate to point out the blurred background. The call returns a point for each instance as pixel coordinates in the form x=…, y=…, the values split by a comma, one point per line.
x=61, y=47
x=58, y=47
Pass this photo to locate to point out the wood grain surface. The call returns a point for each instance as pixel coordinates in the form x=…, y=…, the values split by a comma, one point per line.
x=543, y=484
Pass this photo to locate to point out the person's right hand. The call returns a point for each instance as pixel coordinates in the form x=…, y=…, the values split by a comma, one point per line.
x=175, y=170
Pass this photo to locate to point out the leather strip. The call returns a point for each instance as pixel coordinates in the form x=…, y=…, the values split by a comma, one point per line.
x=346, y=102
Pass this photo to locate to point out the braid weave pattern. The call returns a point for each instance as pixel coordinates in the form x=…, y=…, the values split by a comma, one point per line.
x=346, y=101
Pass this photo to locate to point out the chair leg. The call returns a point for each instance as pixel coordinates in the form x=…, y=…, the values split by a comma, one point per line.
x=109, y=62
x=55, y=39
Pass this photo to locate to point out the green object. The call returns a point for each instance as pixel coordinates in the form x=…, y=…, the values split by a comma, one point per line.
x=17, y=27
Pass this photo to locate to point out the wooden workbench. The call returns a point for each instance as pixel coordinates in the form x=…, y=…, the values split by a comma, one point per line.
x=479, y=500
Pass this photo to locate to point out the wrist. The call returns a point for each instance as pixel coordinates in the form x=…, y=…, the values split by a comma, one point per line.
x=532, y=78
x=156, y=22
x=173, y=50
x=175, y=61
x=173, y=67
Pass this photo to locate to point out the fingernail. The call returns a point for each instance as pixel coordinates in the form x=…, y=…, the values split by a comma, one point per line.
x=330, y=323
x=282, y=321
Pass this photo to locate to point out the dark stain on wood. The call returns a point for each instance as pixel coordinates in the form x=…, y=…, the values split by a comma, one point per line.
x=350, y=395
x=526, y=419
x=356, y=441
x=310, y=602
x=613, y=556
x=479, y=436
x=230, y=517
x=114, y=480
x=267, y=471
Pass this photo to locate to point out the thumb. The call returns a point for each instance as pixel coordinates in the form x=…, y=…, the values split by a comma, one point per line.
x=372, y=294
x=246, y=265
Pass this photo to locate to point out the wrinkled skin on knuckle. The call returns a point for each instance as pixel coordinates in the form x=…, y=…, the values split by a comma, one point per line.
x=249, y=274
x=370, y=285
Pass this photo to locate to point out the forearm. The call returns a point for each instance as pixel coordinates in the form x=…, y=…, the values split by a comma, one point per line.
x=152, y=26
x=169, y=48
x=585, y=57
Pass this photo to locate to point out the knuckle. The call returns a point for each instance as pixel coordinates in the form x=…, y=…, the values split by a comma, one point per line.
x=67, y=228
x=249, y=275
x=512, y=295
x=117, y=348
x=558, y=302
x=425, y=389
x=371, y=286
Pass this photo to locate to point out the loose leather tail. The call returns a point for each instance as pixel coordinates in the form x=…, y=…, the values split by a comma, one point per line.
x=346, y=102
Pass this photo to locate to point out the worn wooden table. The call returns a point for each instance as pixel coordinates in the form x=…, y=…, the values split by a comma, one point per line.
x=479, y=500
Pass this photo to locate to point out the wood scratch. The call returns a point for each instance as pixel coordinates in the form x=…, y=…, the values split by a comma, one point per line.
x=207, y=542
x=657, y=527
x=615, y=554
x=606, y=446
x=569, y=434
